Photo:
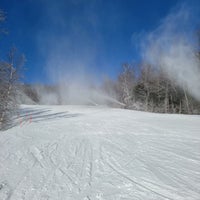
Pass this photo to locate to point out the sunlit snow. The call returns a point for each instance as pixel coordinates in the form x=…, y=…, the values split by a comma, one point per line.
x=91, y=152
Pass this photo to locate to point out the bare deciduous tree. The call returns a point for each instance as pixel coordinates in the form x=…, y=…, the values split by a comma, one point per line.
x=126, y=85
x=9, y=84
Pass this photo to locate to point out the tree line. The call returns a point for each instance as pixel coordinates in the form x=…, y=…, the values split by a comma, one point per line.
x=144, y=87
x=139, y=87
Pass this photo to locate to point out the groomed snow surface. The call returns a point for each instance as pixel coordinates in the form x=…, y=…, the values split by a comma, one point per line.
x=90, y=153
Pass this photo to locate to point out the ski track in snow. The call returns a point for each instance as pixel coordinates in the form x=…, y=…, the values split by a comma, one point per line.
x=97, y=153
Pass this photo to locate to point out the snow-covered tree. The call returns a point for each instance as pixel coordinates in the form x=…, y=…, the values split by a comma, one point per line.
x=125, y=85
x=9, y=85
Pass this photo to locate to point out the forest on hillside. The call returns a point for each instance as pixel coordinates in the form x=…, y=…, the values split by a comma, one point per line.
x=139, y=86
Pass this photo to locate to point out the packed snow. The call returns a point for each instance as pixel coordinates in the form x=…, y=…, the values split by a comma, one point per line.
x=100, y=153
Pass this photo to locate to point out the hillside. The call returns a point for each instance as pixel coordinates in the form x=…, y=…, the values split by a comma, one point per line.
x=91, y=152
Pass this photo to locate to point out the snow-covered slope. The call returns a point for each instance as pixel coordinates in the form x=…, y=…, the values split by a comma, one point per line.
x=88, y=153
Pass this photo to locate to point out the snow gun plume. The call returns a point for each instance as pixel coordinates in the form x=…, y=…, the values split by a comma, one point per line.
x=173, y=48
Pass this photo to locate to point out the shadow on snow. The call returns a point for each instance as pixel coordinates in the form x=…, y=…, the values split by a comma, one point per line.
x=27, y=115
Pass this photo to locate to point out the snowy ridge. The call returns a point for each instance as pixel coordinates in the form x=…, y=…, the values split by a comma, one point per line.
x=88, y=152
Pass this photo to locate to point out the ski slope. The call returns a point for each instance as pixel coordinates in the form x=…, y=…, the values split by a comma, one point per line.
x=99, y=153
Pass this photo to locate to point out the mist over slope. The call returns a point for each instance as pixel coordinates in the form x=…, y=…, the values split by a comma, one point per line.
x=163, y=78
x=174, y=47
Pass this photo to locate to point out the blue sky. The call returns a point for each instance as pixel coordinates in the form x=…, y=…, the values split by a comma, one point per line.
x=69, y=35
